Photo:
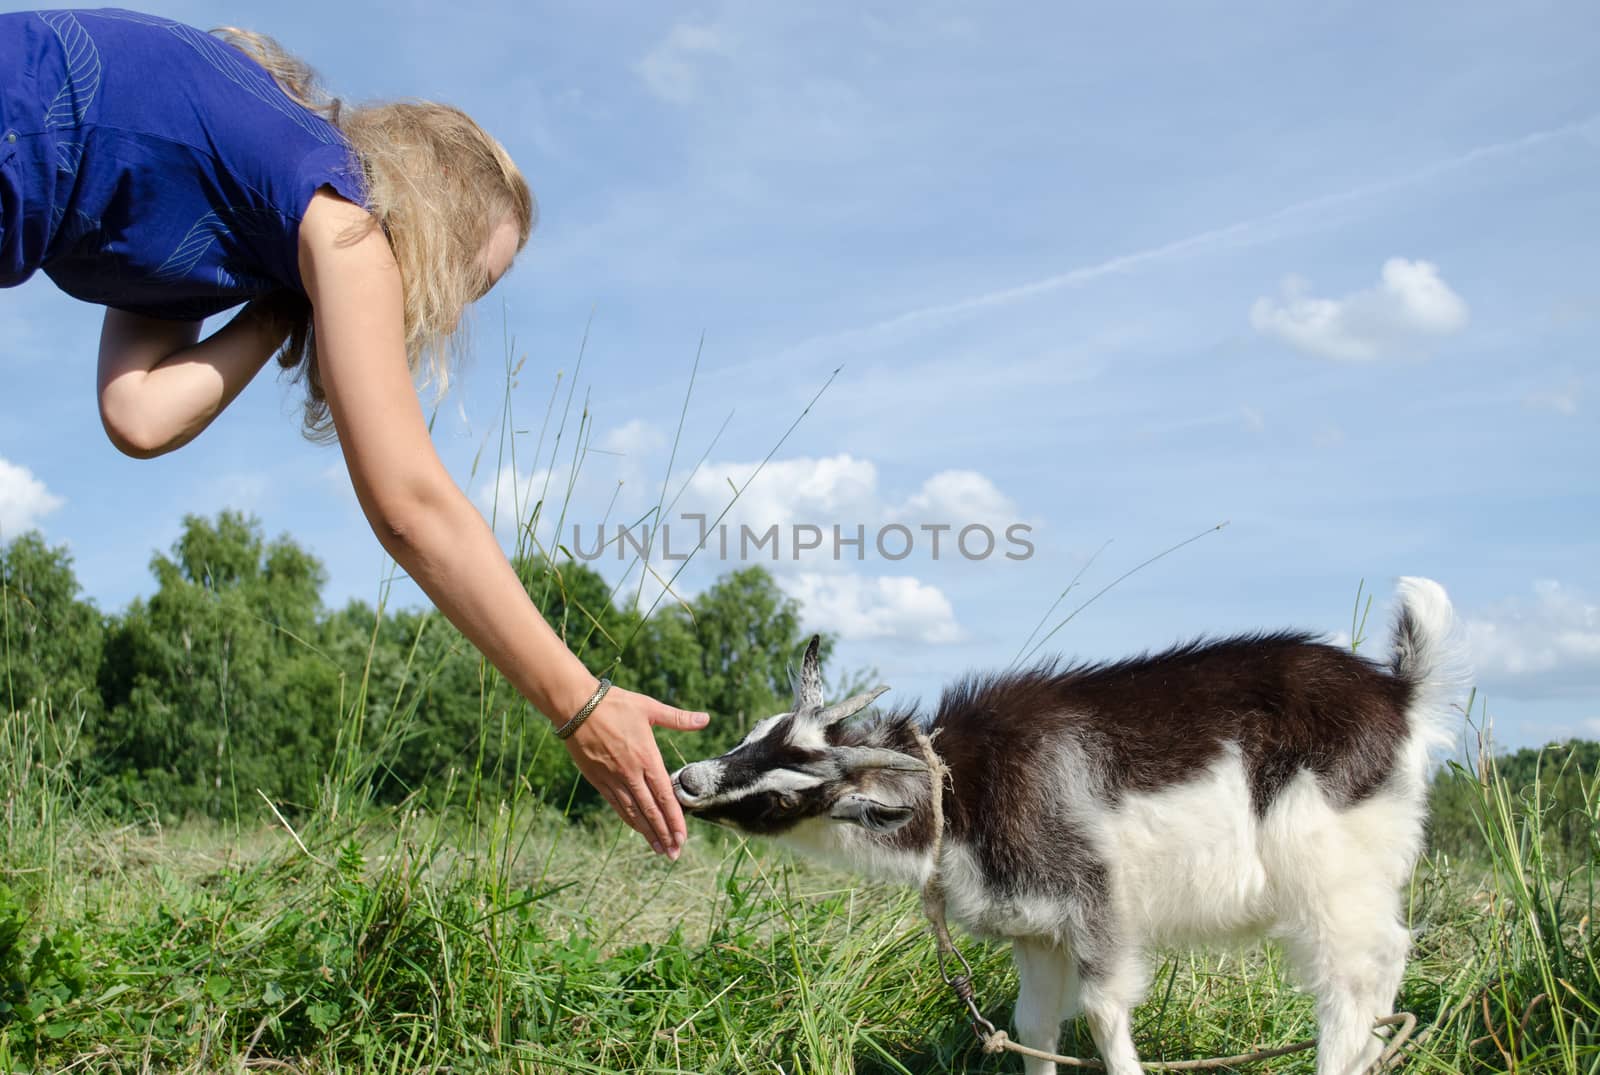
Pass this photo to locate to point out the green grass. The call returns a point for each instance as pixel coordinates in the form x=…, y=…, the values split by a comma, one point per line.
x=517, y=940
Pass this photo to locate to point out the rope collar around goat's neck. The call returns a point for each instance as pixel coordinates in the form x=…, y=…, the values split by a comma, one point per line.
x=995, y=1040
x=960, y=982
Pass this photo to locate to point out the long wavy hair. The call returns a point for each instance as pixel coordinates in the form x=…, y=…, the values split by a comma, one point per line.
x=437, y=184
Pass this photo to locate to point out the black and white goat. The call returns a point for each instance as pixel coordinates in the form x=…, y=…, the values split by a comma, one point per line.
x=1265, y=785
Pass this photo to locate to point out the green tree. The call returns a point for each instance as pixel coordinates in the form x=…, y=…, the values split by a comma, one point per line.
x=1563, y=776
x=727, y=651
x=50, y=638
x=576, y=601
x=449, y=712
x=750, y=637
x=213, y=687
x=231, y=678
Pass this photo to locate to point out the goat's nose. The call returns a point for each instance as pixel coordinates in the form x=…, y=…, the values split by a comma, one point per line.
x=692, y=782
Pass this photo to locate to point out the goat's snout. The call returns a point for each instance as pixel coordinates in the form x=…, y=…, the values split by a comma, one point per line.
x=693, y=782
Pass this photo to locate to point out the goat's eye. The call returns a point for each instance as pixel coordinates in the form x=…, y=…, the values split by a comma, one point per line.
x=787, y=801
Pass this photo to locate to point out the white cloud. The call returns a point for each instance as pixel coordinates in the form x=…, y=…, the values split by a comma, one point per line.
x=1409, y=304
x=1562, y=400
x=24, y=500
x=858, y=608
x=959, y=496
x=635, y=440
x=843, y=491
x=508, y=497
x=623, y=454
x=786, y=519
x=1545, y=646
x=961, y=499
x=673, y=69
x=838, y=488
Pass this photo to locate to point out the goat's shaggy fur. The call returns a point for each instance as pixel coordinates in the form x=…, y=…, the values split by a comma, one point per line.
x=1265, y=785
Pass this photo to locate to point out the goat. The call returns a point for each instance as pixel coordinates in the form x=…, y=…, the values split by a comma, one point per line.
x=1261, y=785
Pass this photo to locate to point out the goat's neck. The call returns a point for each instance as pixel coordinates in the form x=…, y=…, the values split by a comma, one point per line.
x=904, y=856
x=881, y=857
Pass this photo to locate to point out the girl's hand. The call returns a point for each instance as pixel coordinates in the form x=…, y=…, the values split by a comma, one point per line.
x=616, y=751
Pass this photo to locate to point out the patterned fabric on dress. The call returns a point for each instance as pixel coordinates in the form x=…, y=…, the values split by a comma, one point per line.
x=151, y=166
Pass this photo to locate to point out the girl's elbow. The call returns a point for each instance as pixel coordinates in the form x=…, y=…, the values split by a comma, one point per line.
x=396, y=530
x=131, y=433
x=401, y=522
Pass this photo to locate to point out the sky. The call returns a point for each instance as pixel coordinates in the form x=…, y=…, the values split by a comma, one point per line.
x=1115, y=275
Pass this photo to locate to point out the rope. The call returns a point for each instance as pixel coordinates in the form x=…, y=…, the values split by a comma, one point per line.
x=995, y=1040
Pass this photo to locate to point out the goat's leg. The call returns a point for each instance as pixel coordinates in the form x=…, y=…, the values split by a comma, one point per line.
x=1359, y=989
x=1047, y=994
x=1352, y=958
x=1110, y=990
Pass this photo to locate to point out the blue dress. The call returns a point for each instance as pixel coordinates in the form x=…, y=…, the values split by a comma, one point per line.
x=150, y=166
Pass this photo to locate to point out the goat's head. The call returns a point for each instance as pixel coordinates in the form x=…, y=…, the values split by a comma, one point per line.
x=793, y=767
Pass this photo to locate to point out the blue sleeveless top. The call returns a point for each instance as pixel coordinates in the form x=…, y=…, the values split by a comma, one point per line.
x=150, y=166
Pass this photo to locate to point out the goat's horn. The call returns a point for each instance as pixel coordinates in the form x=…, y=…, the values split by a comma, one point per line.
x=808, y=685
x=849, y=707
x=855, y=758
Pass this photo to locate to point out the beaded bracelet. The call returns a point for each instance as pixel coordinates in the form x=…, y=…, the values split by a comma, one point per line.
x=572, y=725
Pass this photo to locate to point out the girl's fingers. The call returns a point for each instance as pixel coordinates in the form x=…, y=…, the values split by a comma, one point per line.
x=681, y=720
x=667, y=803
x=622, y=801
x=655, y=826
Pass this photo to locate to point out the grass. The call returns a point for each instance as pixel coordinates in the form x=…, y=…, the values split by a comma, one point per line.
x=517, y=940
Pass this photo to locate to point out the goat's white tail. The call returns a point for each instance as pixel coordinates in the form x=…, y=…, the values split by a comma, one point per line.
x=1427, y=656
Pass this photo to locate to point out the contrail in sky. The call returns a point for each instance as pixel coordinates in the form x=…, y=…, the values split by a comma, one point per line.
x=1241, y=230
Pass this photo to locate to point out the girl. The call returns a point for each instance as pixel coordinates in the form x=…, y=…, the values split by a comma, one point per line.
x=170, y=174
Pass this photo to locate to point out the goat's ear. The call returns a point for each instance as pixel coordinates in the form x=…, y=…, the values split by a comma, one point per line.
x=870, y=814
x=808, y=685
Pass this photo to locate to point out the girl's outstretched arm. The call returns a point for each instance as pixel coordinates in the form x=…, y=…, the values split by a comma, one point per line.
x=441, y=540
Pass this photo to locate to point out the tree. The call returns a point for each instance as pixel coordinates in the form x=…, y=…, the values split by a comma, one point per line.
x=212, y=687
x=575, y=600
x=1563, y=778
x=231, y=678
x=727, y=651
x=50, y=639
x=749, y=634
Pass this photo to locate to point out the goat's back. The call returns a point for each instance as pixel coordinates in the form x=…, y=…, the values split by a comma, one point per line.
x=1184, y=785
x=1285, y=702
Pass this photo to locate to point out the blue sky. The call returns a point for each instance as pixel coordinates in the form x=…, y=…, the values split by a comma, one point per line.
x=1117, y=272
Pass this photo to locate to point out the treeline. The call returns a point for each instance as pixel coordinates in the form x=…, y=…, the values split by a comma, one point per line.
x=1558, y=784
x=232, y=678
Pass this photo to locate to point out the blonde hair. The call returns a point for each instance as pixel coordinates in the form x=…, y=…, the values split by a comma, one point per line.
x=437, y=184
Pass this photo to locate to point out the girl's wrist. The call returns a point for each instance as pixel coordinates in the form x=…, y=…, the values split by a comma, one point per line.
x=573, y=692
x=566, y=729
